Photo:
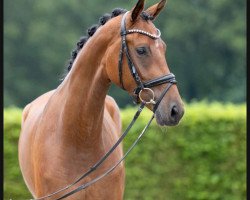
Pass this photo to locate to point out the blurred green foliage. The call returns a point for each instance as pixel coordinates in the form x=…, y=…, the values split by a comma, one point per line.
x=203, y=158
x=14, y=187
x=206, y=45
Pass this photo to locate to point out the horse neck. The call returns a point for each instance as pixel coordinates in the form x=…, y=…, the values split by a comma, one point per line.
x=85, y=89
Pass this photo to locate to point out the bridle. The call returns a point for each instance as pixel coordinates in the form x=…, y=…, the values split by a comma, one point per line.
x=141, y=86
x=169, y=78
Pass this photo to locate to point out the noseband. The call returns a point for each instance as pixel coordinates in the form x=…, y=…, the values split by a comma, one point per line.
x=141, y=87
x=169, y=78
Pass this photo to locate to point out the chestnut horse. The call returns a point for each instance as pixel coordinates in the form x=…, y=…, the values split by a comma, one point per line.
x=67, y=130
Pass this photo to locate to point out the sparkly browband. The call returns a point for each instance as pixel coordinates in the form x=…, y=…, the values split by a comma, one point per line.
x=153, y=36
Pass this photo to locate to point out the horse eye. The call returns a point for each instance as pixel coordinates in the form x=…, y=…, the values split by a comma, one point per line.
x=141, y=51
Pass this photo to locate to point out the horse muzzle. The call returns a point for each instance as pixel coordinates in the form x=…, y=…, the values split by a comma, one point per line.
x=169, y=115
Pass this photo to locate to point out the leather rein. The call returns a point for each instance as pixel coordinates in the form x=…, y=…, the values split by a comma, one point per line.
x=141, y=86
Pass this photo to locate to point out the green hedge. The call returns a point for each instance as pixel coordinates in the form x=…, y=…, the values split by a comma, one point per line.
x=203, y=158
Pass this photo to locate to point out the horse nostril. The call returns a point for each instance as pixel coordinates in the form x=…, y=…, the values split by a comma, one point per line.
x=174, y=112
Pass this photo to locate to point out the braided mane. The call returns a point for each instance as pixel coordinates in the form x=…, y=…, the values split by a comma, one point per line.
x=90, y=32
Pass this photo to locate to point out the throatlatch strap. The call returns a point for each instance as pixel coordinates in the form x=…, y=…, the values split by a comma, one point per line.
x=120, y=65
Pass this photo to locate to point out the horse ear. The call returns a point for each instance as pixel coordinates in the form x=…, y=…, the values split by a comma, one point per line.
x=154, y=10
x=137, y=10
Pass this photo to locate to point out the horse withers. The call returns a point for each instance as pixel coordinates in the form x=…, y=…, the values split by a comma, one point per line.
x=67, y=130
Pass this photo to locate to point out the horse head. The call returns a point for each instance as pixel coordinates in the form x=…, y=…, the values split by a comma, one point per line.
x=137, y=56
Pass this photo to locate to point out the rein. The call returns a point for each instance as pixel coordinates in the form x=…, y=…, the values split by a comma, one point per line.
x=169, y=78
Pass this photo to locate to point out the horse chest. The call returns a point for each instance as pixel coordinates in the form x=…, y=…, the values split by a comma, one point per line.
x=110, y=187
x=65, y=164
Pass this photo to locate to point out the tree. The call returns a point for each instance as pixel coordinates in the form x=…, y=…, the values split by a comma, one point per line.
x=205, y=39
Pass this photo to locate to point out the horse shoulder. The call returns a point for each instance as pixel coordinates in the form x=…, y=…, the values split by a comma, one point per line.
x=25, y=113
x=114, y=112
x=30, y=115
x=36, y=106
